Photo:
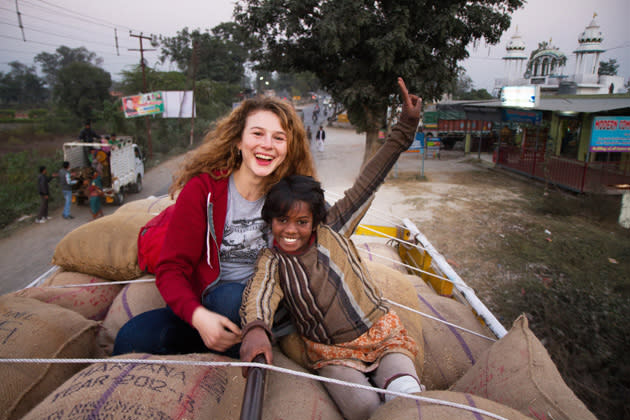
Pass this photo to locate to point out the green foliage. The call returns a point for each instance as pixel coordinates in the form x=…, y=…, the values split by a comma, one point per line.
x=51, y=64
x=219, y=55
x=608, y=68
x=133, y=83
x=82, y=88
x=37, y=113
x=358, y=48
x=18, y=184
x=21, y=86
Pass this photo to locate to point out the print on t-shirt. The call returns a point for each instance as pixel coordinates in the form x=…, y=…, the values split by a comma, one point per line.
x=243, y=239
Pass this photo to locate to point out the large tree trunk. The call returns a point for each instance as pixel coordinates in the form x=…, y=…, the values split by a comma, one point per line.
x=372, y=143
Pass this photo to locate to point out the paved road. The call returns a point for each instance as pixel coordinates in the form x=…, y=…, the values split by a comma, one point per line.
x=27, y=252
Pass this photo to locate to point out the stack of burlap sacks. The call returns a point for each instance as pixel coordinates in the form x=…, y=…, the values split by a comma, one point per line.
x=513, y=377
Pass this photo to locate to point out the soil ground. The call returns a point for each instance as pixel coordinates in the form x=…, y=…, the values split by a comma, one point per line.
x=503, y=234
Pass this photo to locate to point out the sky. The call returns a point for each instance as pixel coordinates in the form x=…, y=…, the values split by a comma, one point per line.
x=48, y=24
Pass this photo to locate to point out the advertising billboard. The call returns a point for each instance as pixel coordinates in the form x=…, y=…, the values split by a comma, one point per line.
x=144, y=104
x=610, y=134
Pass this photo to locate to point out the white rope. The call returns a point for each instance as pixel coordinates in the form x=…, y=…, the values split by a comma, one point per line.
x=439, y=320
x=262, y=366
x=402, y=241
x=103, y=283
x=411, y=267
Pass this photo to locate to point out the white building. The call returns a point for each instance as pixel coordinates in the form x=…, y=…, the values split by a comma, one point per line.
x=546, y=66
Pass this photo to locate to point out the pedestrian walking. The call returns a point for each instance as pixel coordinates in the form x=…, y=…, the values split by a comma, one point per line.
x=66, y=182
x=320, y=136
x=42, y=187
x=309, y=134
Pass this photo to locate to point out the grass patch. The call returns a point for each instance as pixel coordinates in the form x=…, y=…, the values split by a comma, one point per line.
x=575, y=291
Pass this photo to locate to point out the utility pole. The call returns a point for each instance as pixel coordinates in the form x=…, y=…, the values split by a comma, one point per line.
x=195, y=58
x=144, y=85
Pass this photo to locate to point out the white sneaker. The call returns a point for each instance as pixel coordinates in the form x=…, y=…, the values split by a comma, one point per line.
x=48, y=217
x=40, y=220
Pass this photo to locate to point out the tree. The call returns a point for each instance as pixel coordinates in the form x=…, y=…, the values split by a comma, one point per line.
x=464, y=88
x=608, y=68
x=221, y=54
x=357, y=48
x=51, y=64
x=82, y=88
x=132, y=82
x=21, y=85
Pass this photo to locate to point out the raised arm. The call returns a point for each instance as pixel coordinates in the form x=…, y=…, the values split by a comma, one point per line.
x=347, y=212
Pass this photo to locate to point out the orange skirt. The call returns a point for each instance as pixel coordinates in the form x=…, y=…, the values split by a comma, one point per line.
x=387, y=335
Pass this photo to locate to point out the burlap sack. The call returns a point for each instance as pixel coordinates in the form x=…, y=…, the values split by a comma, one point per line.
x=105, y=247
x=134, y=299
x=92, y=302
x=408, y=409
x=147, y=391
x=378, y=269
x=292, y=397
x=450, y=352
x=396, y=287
x=518, y=372
x=382, y=254
x=152, y=205
x=33, y=329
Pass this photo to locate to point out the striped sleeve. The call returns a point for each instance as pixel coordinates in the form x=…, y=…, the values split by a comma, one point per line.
x=263, y=293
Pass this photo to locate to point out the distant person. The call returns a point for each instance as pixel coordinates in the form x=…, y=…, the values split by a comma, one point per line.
x=66, y=182
x=320, y=136
x=113, y=141
x=95, y=192
x=42, y=187
x=87, y=135
x=309, y=134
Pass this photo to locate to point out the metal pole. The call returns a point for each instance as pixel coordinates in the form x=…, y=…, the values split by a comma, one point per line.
x=479, y=151
x=251, y=409
x=194, y=75
x=144, y=87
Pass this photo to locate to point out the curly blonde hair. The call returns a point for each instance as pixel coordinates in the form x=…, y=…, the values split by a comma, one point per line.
x=219, y=155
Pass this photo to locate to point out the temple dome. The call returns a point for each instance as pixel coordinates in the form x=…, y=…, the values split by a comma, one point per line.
x=591, y=39
x=516, y=47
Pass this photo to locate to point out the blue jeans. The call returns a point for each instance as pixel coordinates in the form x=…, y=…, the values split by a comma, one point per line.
x=67, y=196
x=160, y=331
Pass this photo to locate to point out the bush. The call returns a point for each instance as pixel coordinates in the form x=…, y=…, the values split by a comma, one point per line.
x=18, y=184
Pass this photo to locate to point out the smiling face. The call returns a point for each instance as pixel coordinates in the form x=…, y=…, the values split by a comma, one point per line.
x=263, y=144
x=293, y=231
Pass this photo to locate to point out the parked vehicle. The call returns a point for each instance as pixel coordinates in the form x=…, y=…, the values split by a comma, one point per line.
x=122, y=168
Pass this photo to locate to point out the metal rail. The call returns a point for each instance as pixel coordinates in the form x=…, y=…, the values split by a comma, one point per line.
x=251, y=409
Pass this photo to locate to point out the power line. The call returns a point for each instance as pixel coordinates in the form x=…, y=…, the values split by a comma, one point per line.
x=81, y=14
x=57, y=35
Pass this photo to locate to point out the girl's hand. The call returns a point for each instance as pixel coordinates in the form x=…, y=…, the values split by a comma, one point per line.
x=217, y=331
x=411, y=104
x=255, y=342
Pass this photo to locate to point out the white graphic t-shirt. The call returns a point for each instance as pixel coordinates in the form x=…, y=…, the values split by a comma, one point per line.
x=245, y=234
